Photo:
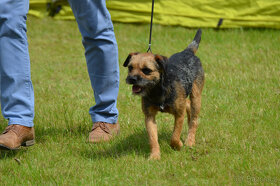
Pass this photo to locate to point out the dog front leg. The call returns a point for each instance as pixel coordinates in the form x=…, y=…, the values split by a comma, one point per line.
x=151, y=127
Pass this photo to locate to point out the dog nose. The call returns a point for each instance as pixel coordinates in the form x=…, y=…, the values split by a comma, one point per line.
x=132, y=79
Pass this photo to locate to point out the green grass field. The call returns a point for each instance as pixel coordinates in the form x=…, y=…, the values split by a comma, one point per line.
x=237, y=139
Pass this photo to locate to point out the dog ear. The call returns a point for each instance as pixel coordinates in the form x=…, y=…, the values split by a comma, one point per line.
x=161, y=60
x=128, y=58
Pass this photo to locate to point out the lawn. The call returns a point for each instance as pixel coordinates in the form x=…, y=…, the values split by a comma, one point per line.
x=237, y=139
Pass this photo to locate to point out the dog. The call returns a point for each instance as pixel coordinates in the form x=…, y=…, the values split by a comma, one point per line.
x=173, y=85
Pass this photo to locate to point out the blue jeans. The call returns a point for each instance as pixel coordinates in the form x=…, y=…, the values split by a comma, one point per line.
x=17, y=97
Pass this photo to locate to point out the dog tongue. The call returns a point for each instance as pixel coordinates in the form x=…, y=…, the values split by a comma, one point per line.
x=136, y=89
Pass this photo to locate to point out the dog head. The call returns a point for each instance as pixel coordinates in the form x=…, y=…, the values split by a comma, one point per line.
x=145, y=71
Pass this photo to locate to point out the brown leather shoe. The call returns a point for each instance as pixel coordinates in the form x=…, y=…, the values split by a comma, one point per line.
x=102, y=132
x=15, y=136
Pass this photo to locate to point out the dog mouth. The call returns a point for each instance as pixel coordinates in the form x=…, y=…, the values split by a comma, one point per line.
x=137, y=89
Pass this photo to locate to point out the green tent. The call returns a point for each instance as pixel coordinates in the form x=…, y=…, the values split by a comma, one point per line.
x=39, y=8
x=198, y=13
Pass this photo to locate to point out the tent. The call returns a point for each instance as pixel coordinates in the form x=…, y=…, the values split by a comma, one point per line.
x=39, y=8
x=198, y=13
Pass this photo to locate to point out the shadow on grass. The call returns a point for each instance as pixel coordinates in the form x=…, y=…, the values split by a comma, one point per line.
x=9, y=154
x=135, y=144
x=43, y=134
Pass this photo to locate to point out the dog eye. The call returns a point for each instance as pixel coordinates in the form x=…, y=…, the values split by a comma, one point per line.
x=146, y=71
x=130, y=68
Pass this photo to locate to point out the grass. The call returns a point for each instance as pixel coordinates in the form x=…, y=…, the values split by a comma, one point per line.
x=239, y=132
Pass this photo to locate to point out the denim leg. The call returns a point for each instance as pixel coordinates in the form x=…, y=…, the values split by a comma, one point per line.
x=101, y=53
x=17, y=96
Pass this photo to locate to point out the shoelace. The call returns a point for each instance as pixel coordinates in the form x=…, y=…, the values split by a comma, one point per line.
x=13, y=129
x=10, y=127
x=103, y=127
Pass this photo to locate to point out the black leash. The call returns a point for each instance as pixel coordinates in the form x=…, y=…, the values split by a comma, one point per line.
x=151, y=28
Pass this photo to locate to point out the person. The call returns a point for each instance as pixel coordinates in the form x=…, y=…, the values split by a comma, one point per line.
x=17, y=95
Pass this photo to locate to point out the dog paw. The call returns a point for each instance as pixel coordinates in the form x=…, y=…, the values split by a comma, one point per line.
x=177, y=145
x=190, y=142
x=154, y=156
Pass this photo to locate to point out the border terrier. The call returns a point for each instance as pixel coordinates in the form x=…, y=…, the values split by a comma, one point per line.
x=173, y=85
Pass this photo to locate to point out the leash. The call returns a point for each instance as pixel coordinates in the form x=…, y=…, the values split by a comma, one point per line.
x=151, y=27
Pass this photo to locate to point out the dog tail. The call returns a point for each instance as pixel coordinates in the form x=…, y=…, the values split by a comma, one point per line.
x=195, y=43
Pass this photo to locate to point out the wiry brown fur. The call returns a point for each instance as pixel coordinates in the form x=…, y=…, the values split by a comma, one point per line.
x=165, y=85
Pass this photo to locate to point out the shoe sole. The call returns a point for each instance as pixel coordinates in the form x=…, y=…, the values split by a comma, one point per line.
x=25, y=144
